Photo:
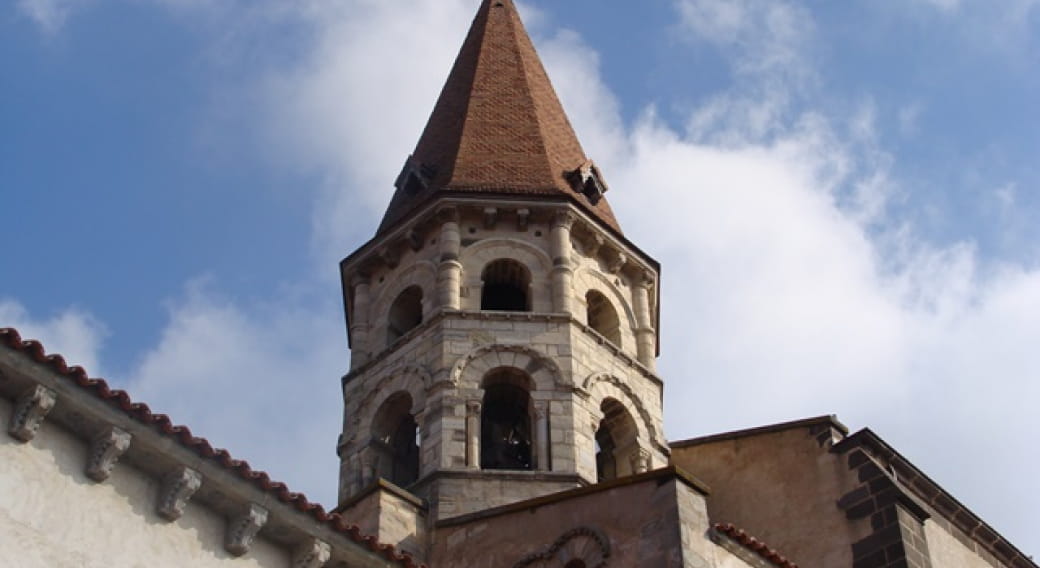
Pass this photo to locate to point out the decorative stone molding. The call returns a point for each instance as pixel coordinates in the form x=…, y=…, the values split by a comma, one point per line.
x=390, y=255
x=105, y=451
x=582, y=543
x=177, y=488
x=313, y=553
x=464, y=362
x=591, y=381
x=29, y=412
x=243, y=528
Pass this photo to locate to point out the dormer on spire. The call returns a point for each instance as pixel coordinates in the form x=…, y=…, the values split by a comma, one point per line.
x=499, y=129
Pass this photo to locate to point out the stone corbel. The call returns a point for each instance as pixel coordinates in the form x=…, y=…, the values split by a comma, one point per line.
x=177, y=488
x=390, y=255
x=105, y=451
x=490, y=217
x=593, y=245
x=523, y=217
x=29, y=412
x=242, y=529
x=415, y=239
x=313, y=553
x=617, y=263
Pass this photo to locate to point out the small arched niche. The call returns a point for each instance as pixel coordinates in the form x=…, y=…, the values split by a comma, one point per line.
x=405, y=314
x=505, y=421
x=617, y=442
x=602, y=317
x=506, y=284
x=395, y=440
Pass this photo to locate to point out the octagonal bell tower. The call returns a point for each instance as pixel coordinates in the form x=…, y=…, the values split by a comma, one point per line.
x=502, y=329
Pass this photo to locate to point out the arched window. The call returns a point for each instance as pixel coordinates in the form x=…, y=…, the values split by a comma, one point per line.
x=505, y=421
x=602, y=317
x=617, y=443
x=405, y=313
x=395, y=440
x=506, y=283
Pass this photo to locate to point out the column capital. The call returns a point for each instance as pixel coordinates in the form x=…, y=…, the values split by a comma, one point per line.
x=564, y=219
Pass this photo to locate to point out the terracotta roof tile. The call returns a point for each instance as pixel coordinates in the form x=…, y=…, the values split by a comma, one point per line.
x=182, y=435
x=498, y=126
x=753, y=544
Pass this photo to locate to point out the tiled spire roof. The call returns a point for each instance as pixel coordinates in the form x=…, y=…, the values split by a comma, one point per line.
x=498, y=128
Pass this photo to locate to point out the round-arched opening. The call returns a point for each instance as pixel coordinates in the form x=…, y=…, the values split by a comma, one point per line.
x=602, y=317
x=576, y=563
x=617, y=443
x=405, y=314
x=505, y=286
x=395, y=440
x=505, y=421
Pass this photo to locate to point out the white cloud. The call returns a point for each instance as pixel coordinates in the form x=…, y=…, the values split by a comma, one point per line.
x=789, y=287
x=73, y=333
x=260, y=380
x=49, y=15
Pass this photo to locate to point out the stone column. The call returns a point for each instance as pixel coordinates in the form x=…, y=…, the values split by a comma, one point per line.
x=449, y=272
x=359, y=323
x=562, y=272
x=541, y=429
x=645, y=337
x=640, y=460
x=473, y=434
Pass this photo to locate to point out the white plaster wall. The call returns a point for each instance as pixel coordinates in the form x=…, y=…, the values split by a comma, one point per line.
x=53, y=516
x=948, y=552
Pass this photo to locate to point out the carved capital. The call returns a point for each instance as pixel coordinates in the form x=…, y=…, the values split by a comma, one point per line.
x=564, y=219
x=448, y=214
x=177, y=488
x=29, y=411
x=473, y=407
x=312, y=553
x=645, y=279
x=242, y=528
x=105, y=451
x=640, y=460
x=360, y=279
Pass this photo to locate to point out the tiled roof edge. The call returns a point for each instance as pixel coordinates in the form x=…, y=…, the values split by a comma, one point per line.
x=182, y=435
x=754, y=545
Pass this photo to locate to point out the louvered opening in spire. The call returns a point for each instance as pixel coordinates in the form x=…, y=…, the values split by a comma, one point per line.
x=498, y=128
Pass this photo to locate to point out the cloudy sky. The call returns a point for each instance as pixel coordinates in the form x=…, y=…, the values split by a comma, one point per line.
x=843, y=196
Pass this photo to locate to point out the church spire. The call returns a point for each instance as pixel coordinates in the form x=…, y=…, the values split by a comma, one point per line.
x=498, y=128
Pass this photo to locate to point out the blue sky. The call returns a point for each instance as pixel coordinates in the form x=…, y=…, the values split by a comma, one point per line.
x=843, y=196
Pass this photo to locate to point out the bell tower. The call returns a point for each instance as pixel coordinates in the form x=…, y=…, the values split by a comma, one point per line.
x=503, y=331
